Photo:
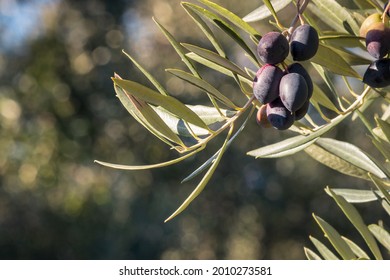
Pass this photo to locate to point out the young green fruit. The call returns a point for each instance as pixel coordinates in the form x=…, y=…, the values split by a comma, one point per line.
x=273, y=48
x=304, y=42
x=293, y=91
x=365, y=27
x=266, y=83
x=278, y=115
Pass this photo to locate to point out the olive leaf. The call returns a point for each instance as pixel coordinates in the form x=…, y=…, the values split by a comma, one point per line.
x=168, y=102
x=353, y=215
x=337, y=64
x=358, y=196
x=322, y=249
x=145, y=115
x=205, y=29
x=202, y=184
x=344, y=157
x=233, y=18
x=335, y=238
x=264, y=12
x=217, y=59
x=295, y=144
x=359, y=252
x=335, y=15
x=310, y=255
x=224, y=26
x=203, y=85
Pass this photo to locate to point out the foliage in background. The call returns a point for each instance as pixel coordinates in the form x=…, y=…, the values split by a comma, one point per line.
x=338, y=94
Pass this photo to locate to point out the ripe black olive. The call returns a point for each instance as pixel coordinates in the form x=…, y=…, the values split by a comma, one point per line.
x=278, y=115
x=293, y=91
x=273, y=48
x=266, y=83
x=304, y=42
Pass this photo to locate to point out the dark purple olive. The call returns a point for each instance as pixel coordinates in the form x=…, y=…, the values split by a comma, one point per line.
x=266, y=83
x=261, y=117
x=273, y=48
x=278, y=115
x=378, y=40
x=304, y=42
x=298, y=68
x=293, y=91
x=301, y=112
x=377, y=74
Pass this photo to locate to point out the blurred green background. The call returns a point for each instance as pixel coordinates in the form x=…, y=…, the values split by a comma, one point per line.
x=58, y=113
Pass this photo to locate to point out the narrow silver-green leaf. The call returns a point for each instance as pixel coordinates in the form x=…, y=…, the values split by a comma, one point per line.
x=149, y=166
x=351, y=58
x=382, y=146
x=202, y=184
x=385, y=127
x=205, y=29
x=386, y=206
x=153, y=80
x=359, y=252
x=178, y=48
x=358, y=196
x=331, y=60
x=336, y=16
x=283, y=148
x=217, y=59
x=203, y=85
x=211, y=159
x=137, y=108
x=236, y=20
x=341, y=39
x=168, y=102
x=335, y=238
x=382, y=235
x=178, y=126
x=310, y=255
x=353, y=215
x=344, y=157
x=296, y=141
x=381, y=187
x=364, y=4
x=217, y=67
x=263, y=12
x=223, y=25
x=322, y=99
x=322, y=249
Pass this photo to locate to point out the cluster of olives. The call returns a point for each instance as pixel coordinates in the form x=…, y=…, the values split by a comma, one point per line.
x=284, y=93
x=376, y=32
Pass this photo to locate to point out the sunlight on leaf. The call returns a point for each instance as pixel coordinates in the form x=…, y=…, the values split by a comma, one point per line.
x=169, y=103
x=381, y=235
x=337, y=64
x=335, y=238
x=323, y=250
x=358, y=196
x=310, y=255
x=263, y=11
x=356, y=249
x=150, y=166
x=231, y=17
x=353, y=215
x=344, y=157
